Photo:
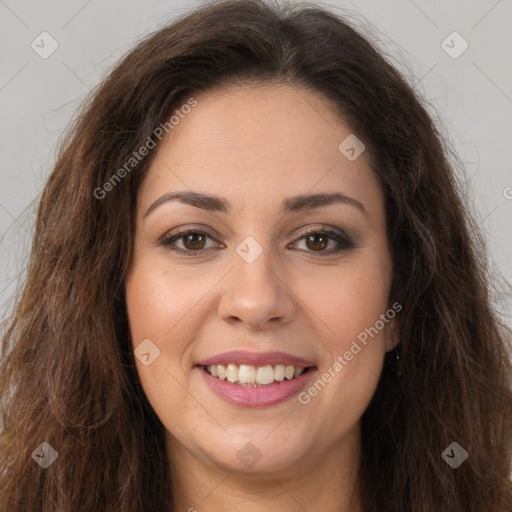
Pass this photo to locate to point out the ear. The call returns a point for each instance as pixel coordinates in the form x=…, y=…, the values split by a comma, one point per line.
x=392, y=334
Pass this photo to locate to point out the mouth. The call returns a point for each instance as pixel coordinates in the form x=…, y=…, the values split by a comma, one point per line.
x=250, y=376
x=248, y=379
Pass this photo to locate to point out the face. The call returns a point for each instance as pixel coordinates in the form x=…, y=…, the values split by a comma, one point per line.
x=258, y=279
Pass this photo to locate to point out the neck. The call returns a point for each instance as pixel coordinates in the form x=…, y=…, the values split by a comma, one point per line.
x=324, y=482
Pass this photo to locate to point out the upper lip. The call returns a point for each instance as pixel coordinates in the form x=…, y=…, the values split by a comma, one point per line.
x=256, y=359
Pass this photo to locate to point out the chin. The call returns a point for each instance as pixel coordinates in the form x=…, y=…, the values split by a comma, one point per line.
x=253, y=451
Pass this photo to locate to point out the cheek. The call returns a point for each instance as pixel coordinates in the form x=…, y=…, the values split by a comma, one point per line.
x=348, y=302
x=159, y=309
x=159, y=305
x=156, y=306
x=348, y=307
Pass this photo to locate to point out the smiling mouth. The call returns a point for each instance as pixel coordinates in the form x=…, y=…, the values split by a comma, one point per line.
x=255, y=376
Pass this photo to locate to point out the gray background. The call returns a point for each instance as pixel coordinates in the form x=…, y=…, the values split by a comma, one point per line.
x=471, y=95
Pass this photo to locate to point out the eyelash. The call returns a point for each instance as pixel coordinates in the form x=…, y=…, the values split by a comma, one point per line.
x=343, y=240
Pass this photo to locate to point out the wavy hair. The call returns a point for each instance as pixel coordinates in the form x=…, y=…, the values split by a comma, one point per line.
x=67, y=374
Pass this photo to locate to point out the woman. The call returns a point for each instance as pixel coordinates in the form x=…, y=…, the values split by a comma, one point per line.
x=254, y=285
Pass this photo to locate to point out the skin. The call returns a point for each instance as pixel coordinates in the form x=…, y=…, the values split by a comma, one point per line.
x=255, y=146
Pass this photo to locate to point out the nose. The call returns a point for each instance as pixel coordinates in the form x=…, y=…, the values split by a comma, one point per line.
x=257, y=294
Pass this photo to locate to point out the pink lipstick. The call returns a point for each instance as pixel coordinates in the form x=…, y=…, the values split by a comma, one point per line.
x=250, y=379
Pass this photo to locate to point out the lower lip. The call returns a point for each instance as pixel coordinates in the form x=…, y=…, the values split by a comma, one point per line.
x=257, y=397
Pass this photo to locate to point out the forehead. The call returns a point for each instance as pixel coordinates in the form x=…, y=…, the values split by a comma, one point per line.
x=260, y=143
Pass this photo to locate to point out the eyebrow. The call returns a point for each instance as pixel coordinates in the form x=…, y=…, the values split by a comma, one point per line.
x=292, y=204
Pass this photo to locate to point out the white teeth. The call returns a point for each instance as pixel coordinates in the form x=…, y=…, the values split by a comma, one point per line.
x=279, y=372
x=246, y=374
x=265, y=374
x=251, y=376
x=232, y=373
x=298, y=372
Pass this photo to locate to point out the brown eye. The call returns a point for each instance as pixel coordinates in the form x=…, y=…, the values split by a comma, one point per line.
x=194, y=241
x=189, y=242
x=317, y=242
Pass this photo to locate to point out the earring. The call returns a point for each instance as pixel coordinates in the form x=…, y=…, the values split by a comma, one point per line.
x=399, y=363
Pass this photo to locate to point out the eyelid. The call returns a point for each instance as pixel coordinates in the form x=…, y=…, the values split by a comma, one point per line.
x=343, y=240
x=323, y=228
x=173, y=235
x=184, y=230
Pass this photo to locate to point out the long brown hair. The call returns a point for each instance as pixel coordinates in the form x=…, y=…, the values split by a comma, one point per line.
x=67, y=371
